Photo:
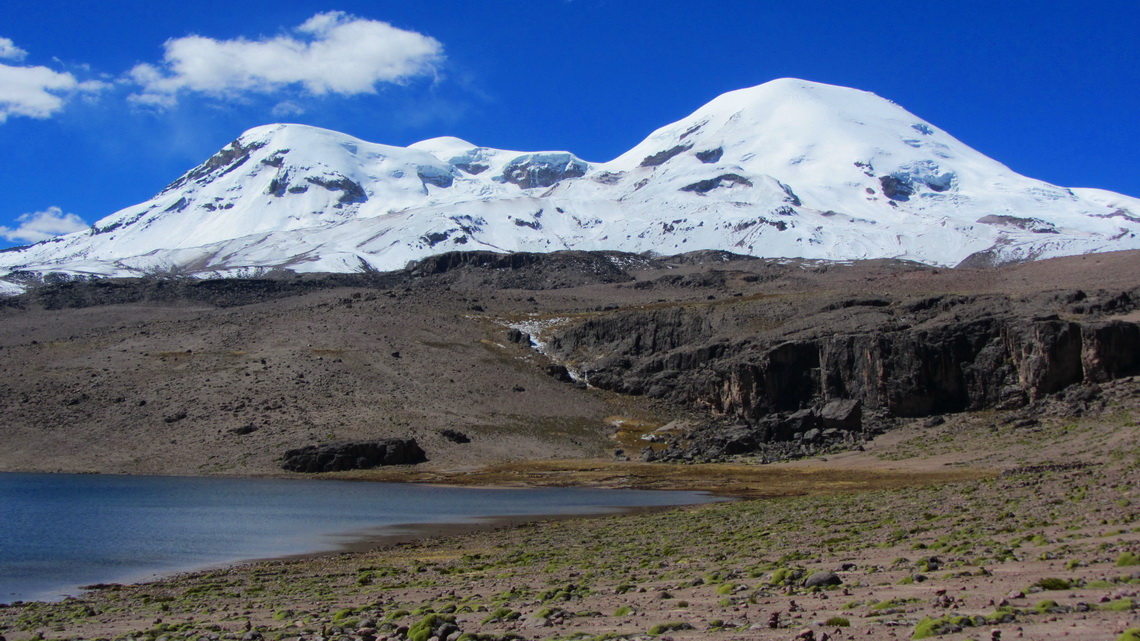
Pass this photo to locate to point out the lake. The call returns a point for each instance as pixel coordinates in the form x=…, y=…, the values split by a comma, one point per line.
x=62, y=531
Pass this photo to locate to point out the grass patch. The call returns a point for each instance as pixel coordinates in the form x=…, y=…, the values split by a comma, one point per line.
x=1050, y=583
x=672, y=626
x=1127, y=559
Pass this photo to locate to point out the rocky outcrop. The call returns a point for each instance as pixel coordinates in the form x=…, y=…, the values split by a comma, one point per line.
x=338, y=457
x=351, y=192
x=811, y=375
x=707, y=185
x=661, y=157
x=1109, y=350
x=543, y=170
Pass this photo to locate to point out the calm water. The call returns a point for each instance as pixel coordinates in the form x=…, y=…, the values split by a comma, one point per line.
x=60, y=531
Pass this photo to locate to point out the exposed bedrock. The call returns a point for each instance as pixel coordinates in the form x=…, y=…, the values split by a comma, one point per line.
x=905, y=359
x=338, y=457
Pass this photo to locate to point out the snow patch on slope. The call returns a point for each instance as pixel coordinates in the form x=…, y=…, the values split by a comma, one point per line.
x=789, y=168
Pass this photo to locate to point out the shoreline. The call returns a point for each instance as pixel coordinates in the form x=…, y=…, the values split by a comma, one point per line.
x=846, y=473
x=918, y=532
x=719, y=482
x=352, y=541
x=363, y=542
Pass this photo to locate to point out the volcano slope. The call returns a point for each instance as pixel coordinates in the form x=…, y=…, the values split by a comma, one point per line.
x=717, y=355
x=1009, y=522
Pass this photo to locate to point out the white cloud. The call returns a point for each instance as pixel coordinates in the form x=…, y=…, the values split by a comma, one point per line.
x=42, y=225
x=9, y=50
x=286, y=109
x=32, y=91
x=330, y=53
x=35, y=92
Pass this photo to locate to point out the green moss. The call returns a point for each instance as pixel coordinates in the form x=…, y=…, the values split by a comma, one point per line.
x=1127, y=559
x=570, y=592
x=933, y=627
x=421, y=630
x=782, y=576
x=1132, y=634
x=662, y=628
x=926, y=628
x=398, y=613
x=1051, y=583
x=1120, y=605
x=623, y=611
x=502, y=614
x=838, y=622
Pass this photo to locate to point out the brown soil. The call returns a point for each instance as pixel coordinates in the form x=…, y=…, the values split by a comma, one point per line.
x=188, y=388
x=990, y=525
x=965, y=522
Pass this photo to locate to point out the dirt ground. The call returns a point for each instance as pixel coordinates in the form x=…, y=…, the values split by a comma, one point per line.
x=965, y=530
x=192, y=389
x=982, y=526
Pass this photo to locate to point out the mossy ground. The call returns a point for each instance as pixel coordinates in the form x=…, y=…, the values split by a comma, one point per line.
x=952, y=552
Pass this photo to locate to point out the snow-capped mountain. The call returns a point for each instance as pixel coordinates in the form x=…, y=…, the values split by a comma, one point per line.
x=789, y=168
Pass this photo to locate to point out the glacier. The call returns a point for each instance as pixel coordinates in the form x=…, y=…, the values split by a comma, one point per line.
x=790, y=168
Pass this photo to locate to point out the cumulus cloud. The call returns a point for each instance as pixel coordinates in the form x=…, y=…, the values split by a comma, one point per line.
x=35, y=92
x=42, y=225
x=286, y=109
x=331, y=53
x=9, y=50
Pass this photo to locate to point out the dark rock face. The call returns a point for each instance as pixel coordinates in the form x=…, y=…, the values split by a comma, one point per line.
x=231, y=157
x=527, y=270
x=351, y=192
x=455, y=436
x=559, y=373
x=473, y=168
x=1035, y=225
x=1046, y=355
x=661, y=157
x=435, y=176
x=337, y=457
x=896, y=188
x=815, y=377
x=543, y=170
x=1109, y=350
x=709, y=156
x=705, y=186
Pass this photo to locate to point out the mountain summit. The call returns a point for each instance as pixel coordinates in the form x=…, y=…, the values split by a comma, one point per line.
x=789, y=168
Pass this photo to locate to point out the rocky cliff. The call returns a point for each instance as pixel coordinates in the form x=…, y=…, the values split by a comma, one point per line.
x=776, y=369
x=187, y=376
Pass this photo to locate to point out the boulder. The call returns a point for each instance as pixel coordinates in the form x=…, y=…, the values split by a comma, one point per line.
x=455, y=436
x=559, y=373
x=821, y=579
x=337, y=457
x=842, y=414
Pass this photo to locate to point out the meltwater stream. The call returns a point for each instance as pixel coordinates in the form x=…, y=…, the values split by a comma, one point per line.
x=61, y=531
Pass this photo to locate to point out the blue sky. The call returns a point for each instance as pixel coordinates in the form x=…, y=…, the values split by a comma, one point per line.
x=102, y=104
